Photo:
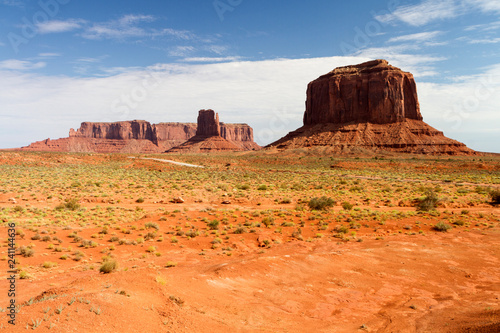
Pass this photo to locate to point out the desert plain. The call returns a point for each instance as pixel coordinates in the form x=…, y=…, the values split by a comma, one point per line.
x=295, y=241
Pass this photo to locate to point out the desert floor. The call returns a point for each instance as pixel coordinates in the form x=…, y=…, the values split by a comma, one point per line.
x=235, y=246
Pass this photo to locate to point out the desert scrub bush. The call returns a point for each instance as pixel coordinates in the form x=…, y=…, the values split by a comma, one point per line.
x=69, y=204
x=322, y=203
x=170, y=264
x=429, y=202
x=23, y=275
x=286, y=201
x=26, y=251
x=495, y=197
x=268, y=221
x=347, y=206
x=152, y=225
x=240, y=230
x=341, y=229
x=262, y=188
x=441, y=226
x=213, y=225
x=140, y=200
x=49, y=264
x=108, y=265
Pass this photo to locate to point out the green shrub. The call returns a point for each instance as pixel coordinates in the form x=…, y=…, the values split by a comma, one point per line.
x=140, y=200
x=262, y=188
x=342, y=229
x=268, y=221
x=441, y=226
x=213, y=225
x=347, y=206
x=108, y=266
x=170, y=264
x=322, y=203
x=70, y=204
x=26, y=251
x=429, y=202
x=495, y=196
x=152, y=225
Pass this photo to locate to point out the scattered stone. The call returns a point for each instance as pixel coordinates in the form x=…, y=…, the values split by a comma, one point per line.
x=177, y=200
x=226, y=202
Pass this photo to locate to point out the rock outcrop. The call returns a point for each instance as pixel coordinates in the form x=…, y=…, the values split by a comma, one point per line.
x=208, y=136
x=140, y=136
x=372, y=106
x=208, y=123
x=122, y=130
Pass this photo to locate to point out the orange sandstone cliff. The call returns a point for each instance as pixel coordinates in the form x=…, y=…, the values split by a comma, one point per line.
x=372, y=106
x=138, y=136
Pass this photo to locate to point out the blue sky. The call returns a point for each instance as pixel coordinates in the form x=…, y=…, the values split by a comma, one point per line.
x=63, y=62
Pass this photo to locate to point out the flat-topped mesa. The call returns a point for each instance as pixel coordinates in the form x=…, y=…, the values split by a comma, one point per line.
x=121, y=130
x=208, y=123
x=372, y=92
x=372, y=107
x=140, y=136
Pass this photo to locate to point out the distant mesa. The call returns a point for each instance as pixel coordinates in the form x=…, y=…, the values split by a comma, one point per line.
x=140, y=136
x=372, y=106
x=208, y=136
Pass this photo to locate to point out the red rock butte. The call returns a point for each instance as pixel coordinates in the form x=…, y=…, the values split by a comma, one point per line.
x=140, y=136
x=208, y=136
x=372, y=106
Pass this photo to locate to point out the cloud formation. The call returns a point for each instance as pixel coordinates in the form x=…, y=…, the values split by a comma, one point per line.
x=268, y=95
x=56, y=26
x=429, y=11
x=20, y=65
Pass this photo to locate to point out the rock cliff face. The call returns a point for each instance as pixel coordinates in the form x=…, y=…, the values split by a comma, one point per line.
x=122, y=130
x=208, y=137
x=371, y=106
x=208, y=123
x=239, y=134
x=373, y=92
x=140, y=136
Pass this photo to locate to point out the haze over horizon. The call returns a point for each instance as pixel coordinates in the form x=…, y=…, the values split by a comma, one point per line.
x=64, y=62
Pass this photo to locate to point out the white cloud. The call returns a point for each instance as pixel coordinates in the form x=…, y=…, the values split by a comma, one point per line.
x=485, y=5
x=131, y=26
x=50, y=27
x=484, y=27
x=181, y=51
x=423, y=13
x=418, y=37
x=434, y=10
x=211, y=59
x=420, y=65
x=268, y=95
x=484, y=41
x=20, y=65
x=466, y=110
x=49, y=55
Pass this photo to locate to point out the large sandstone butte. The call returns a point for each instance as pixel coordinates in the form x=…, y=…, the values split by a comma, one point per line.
x=208, y=136
x=371, y=106
x=139, y=136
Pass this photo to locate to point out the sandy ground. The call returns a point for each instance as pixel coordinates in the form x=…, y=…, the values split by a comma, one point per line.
x=396, y=276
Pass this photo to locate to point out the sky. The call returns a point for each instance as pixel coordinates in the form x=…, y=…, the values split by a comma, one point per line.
x=63, y=62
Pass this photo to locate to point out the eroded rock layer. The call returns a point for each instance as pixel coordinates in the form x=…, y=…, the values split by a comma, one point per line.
x=372, y=106
x=139, y=136
x=208, y=136
x=373, y=92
